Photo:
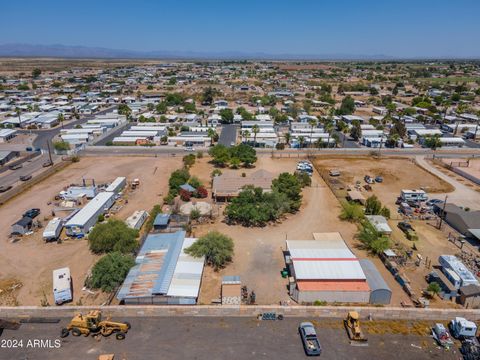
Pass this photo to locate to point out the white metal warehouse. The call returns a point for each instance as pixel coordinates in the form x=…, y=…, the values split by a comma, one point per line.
x=86, y=218
x=325, y=270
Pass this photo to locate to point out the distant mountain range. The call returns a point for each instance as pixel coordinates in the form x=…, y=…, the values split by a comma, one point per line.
x=65, y=51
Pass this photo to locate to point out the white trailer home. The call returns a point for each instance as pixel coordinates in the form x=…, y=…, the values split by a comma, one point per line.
x=81, y=223
x=117, y=185
x=53, y=229
x=413, y=195
x=62, y=286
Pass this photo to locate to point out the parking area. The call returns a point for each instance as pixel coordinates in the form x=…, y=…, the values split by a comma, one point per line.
x=224, y=338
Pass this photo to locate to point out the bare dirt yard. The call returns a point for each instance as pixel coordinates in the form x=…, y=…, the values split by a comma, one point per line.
x=258, y=251
x=27, y=264
x=397, y=173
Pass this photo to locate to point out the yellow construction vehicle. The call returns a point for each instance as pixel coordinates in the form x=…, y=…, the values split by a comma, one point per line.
x=352, y=325
x=92, y=323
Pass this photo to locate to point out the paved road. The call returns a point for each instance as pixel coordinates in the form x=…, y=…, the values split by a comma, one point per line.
x=462, y=196
x=228, y=135
x=10, y=177
x=46, y=135
x=215, y=338
x=472, y=144
x=345, y=142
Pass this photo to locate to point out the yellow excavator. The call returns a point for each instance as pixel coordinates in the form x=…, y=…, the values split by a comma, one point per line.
x=352, y=325
x=92, y=323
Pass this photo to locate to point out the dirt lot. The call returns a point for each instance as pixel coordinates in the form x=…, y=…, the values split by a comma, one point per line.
x=397, y=173
x=30, y=261
x=258, y=251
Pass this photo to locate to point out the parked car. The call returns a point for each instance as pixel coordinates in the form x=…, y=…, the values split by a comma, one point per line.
x=15, y=167
x=4, y=188
x=47, y=163
x=432, y=202
x=408, y=230
x=25, y=177
x=309, y=339
x=368, y=179
x=334, y=172
x=32, y=213
x=379, y=179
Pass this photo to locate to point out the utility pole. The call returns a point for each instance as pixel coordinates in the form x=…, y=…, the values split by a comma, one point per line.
x=49, y=152
x=443, y=213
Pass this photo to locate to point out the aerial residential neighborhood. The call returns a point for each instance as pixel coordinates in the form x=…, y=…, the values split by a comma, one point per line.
x=202, y=203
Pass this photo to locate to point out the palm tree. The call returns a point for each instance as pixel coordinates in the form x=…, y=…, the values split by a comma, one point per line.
x=255, y=130
x=328, y=129
x=312, y=124
x=287, y=137
x=211, y=135
x=336, y=137
x=246, y=135
x=301, y=140
x=60, y=119
x=319, y=143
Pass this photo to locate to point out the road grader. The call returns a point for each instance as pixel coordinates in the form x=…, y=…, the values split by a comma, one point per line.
x=92, y=324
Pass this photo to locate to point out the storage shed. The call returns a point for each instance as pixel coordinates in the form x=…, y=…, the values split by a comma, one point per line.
x=161, y=221
x=380, y=293
x=22, y=226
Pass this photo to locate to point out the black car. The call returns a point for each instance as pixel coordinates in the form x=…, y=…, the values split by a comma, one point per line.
x=25, y=177
x=4, y=188
x=309, y=339
x=15, y=167
x=47, y=164
x=32, y=213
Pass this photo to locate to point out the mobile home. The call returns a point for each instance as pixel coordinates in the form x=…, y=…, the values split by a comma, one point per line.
x=53, y=229
x=62, y=286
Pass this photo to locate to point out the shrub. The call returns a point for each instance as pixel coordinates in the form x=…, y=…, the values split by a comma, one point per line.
x=194, y=182
x=61, y=145
x=372, y=239
x=202, y=192
x=114, y=235
x=280, y=146
x=101, y=218
x=189, y=160
x=157, y=209
x=110, y=271
x=195, y=214
x=199, y=154
x=216, y=247
x=185, y=195
x=351, y=212
x=177, y=178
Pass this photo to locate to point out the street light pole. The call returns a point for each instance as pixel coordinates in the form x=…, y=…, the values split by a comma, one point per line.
x=443, y=213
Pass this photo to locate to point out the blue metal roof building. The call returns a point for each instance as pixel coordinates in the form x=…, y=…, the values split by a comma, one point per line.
x=159, y=263
x=161, y=221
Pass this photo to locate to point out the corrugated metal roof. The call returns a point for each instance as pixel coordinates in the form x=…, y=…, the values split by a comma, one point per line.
x=161, y=220
x=187, y=276
x=374, y=279
x=315, y=249
x=328, y=270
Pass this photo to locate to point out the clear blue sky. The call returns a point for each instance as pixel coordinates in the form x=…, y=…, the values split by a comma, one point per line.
x=405, y=28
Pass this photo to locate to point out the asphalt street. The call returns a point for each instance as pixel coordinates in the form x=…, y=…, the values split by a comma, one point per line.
x=228, y=136
x=45, y=135
x=29, y=167
x=211, y=338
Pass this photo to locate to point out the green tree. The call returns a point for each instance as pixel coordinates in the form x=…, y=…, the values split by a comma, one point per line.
x=211, y=134
x=114, y=235
x=177, y=178
x=351, y=212
x=208, y=96
x=434, y=288
x=161, y=108
x=36, y=73
x=373, y=240
x=356, y=130
x=61, y=145
x=288, y=137
x=433, y=142
x=245, y=153
x=347, y=106
x=255, y=130
x=61, y=119
x=124, y=109
x=289, y=185
x=373, y=206
x=110, y=271
x=189, y=160
x=217, y=248
x=220, y=155
x=227, y=116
